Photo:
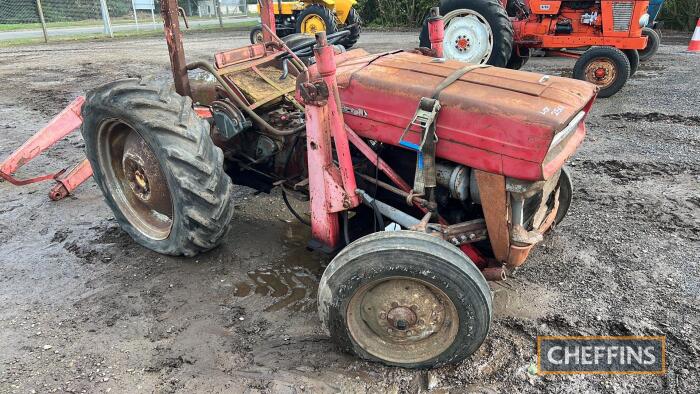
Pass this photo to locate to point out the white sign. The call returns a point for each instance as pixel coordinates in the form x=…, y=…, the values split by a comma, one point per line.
x=144, y=4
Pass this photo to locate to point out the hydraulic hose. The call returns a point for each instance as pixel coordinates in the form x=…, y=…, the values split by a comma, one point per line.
x=243, y=106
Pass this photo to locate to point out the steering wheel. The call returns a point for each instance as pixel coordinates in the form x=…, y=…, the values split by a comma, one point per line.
x=304, y=49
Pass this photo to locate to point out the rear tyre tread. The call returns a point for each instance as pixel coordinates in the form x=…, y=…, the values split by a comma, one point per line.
x=200, y=189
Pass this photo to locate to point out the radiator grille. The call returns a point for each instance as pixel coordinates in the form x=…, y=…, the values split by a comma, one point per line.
x=622, y=15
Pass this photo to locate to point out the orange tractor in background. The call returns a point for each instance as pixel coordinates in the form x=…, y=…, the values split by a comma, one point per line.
x=502, y=33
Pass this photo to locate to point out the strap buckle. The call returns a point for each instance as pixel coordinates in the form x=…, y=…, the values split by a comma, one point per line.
x=424, y=118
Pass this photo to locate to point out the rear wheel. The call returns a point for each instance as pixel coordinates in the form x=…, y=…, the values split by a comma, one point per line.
x=606, y=67
x=653, y=41
x=256, y=35
x=158, y=169
x=316, y=18
x=356, y=23
x=476, y=31
x=406, y=299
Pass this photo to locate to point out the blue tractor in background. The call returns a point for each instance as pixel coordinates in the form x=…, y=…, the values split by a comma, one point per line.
x=652, y=30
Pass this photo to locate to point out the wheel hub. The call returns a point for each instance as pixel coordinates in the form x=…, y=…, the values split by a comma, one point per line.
x=313, y=24
x=401, y=318
x=601, y=71
x=135, y=179
x=404, y=311
x=468, y=36
x=462, y=43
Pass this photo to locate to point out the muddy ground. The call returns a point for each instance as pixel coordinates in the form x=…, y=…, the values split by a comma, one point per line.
x=84, y=309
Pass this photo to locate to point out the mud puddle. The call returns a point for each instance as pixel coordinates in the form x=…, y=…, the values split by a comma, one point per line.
x=292, y=282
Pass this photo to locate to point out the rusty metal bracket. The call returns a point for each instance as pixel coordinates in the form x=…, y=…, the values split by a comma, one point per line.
x=314, y=93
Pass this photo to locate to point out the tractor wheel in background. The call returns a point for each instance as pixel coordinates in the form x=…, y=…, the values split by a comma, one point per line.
x=566, y=194
x=157, y=167
x=476, y=31
x=633, y=58
x=353, y=19
x=256, y=35
x=518, y=58
x=653, y=41
x=606, y=67
x=405, y=299
x=316, y=18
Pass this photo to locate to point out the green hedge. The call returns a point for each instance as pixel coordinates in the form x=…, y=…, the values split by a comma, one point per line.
x=680, y=14
x=393, y=13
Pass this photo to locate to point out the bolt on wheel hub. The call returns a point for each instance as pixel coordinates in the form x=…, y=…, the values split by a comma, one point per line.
x=601, y=71
x=135, y=179
x=402, y=318
x=462, y=43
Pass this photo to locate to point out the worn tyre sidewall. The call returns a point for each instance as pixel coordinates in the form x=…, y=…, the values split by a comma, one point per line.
x=633, y=58
x=566, y=194
x=653, y=42
x=367, y=260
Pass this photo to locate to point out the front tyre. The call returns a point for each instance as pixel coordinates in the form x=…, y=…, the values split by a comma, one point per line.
x=653, y=41
x=633, y=58
x=606, y=67
x=566, y=194
x=476, y=31
x=256, y=35
x=405, y=299
x=157, y=167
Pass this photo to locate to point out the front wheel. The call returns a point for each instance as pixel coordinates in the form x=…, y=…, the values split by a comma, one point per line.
x=256, y=35
x=606, y=67
x=405, y=299
x=653, y=41
x=476, y=31
x=157, y=167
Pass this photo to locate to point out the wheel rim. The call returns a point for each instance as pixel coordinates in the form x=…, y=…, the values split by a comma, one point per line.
x=601, y=71
x=468, y=37
x=258, y=37
x=312, y=24
x=402, y=319
x=134, y=179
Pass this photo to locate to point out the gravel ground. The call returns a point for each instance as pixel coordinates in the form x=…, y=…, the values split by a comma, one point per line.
x=84, y=309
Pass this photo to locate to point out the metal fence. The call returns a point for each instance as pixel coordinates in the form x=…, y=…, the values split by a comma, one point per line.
x=46, y=20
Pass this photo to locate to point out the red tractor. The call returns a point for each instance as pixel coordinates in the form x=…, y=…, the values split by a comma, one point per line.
x=472, y=173
x=502, y=33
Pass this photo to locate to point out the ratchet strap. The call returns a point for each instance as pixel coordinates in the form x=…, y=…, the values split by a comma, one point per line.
x=425, y=119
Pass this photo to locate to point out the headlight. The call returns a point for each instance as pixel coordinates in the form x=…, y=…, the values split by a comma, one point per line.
x=644, y=20
x=568, y=130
